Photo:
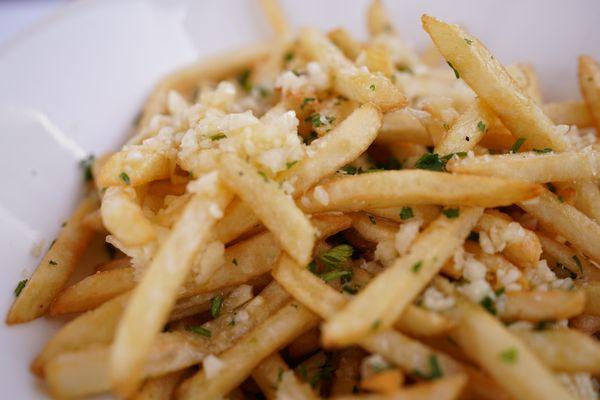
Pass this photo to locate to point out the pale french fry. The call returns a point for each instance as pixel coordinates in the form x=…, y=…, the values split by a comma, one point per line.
x=93, y=290
x=55, y=268
x=524, y=250
x=122, y=169
x=532, y=167
x=159, y=286
x=350, y=81
x=291, y=387
x=488, y=78
x=171, y=351
x=589, y=83
x=569, y=112
x=576, y=264
x=346, y=375
x=578, y=229
x=269, y=374
x=94, y=222
x=419, y=322
x=402, y=125
x=123, y=217
x=377, y=59
x=395, y=188
x=526, y=78
x=347, y=44
x=373, y=229
x=385, y=297
x=161, y=388
x=564, y=349
x=378, y=19
x=239, y=361
x=592, y=295
x=542, y=306
x=276, y=17
x=514, y=366
x=343, y=144
x=277, y=211
x=305, y=344
x=238, y=219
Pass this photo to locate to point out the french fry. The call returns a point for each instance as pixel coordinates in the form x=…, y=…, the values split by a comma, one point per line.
x=425, y=213
x=542, y=306
x=513, y=365
x=305, y=344
x=159, y=286
x=488, y=78
x=575, y=263
x=122, y=169
x=592, y=296
x=403, y=126
x=377, y=59
x=277, y=211
x=385, y=382
x=55, y=268
x=238, y=219
x=123, y=262
x=93, y=290
x=443, y=389
x=564, y=349
x=526, y=78
x=569, y=112
x=123, y=217
x=532, y=167
x=347, y=44
x=161, y=388
x=378, y=20
x=524, y=250
x=578, y=229
x=93, y=221
x=373, y=229
x=291, y=387
x=589, y=83
x=239, y=361
x=395, y=188
x=358, y=85
x=386, y=296
x=269, y=374
x=276, y=17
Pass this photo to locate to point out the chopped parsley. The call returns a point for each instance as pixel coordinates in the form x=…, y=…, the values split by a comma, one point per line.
x=416, y=267
x=333, y=275
x=551, y=187
x=20, y=287
x=288, y=56
x=481, y=126
x=218, y=136
x=489, y=305
x=86, y=166
x=311, y=137
x=336, y=256
x=372, y=87
x=446, y=126
x=435, y=371
x=302, y=371
x=578, y=262
x=290, y=164
x=125, y=178
x=431, y=162
x=499, y=292
x=509, y=355
x=543, y=151
x=451, y=212
x=404, y=68
x=312, y=267
x=517, y=145
x=376, y=324
x=542, y=325
x=406, y=213
x=199, y=330
x=306, y=101
x=468, y=41
x=279, y=374
x=234, y=261
x=244, y=80
x=215, y=306
x=349, y=289
x=456, y=74
x=264, y=176
x=316, y=120
x=52, y=262
x=373, y=220
x=351, y=170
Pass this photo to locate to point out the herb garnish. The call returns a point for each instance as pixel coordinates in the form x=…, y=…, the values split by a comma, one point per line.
x=406, y=213
x=215, y=306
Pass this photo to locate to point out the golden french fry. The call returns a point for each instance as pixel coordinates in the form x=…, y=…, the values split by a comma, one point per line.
x=569, y=112
x=347, y=44
x=592, y=296
x=378, y=19
x=269, y=374
x=373, y=229
x=526, y=78
x=377, y=59
x=542, y=306
x=425, y=213
x=512, y=363
x=125, y=169
x=305, y=344
x=589, y=83
x=473, y=63
x=575, y=263
x=291, y=387
x=403, y=126
x=94, y=222
x=385, y=382
x=276, y=17
x=396, y=188
x=56, y=267
x=161, y=388
x=277, y=211
x=564, y=349
x=93, y=290
x=159, y=287
x=117, y=263
x=123, y=217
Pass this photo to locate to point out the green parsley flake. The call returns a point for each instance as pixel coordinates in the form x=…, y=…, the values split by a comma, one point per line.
x=446, y=126
x=290, y=164
x=488, y=304
x=454, y=69
x=404, y=68
x=125, y=178
x=406, y=213
x=509, y=355
x=372, y=87
x=543, y=151
x=333, y=275
x=215, y=306
x=20, y=287
x=288, y=56
x=416, y=267
x=302, y=372
x=312, y=267
x=199, y=330
x=306, y=101
x=451, y=212
x=86, y=166
x=349, y=289
x=244, y=80
x=431, y=162
x=218, y=136
x=375, y=325
x=279, y=374
x=468, y=41
x=373, y=220
x=264, y=176
x=435, y=371
x=578, y=262
x=336, y=256
x=481, y=126
x=517, y=145
x=351, y=170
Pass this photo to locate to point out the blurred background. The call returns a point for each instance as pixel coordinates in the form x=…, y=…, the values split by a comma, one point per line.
x=18, y=15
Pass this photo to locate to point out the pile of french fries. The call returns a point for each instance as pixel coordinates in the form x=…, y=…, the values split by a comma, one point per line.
x=322, y=217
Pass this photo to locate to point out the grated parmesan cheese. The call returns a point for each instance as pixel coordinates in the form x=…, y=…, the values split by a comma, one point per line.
x=321, y=195
x=435, y=300
x=212, y=366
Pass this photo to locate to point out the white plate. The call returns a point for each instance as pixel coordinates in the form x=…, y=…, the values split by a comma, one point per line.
x=73, y=84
